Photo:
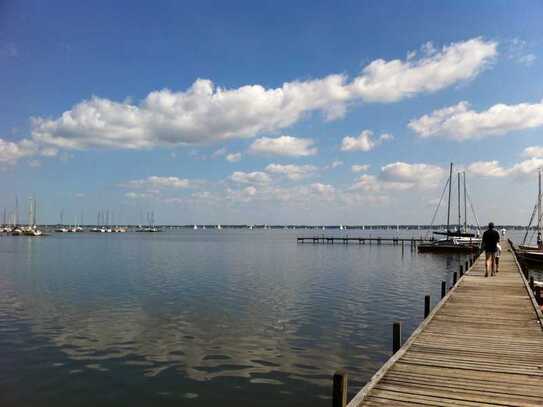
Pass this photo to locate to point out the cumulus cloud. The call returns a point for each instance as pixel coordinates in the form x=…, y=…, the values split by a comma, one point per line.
x=11, y=151
x=391, y=81
x=206, y=113
x=323, y=189
x=522, y=169
x=401, y=176
x=360, y=168
x=233, y=157
x=291, y=171
x=460, y=123
x=284, y=145
x=487, y=169
x=365, y=141
x=533, y=152
x=156, y=183
x=256, y=177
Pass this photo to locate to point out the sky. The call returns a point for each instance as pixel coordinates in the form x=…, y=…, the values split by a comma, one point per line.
x=272, y=112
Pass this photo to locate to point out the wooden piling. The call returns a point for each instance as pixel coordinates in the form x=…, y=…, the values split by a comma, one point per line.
x=461, y=273
x=340, y=388
x=426, y=306
x=443, y=289
x=455, y=278
x=537, y=294
x=396, y=337
x=532, y=282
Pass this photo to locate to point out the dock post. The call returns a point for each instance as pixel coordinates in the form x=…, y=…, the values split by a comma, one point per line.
x=339, y=392
x=466, y=267
x=461, y=273
x=396, y=337
x=532, y=282
x=537, y=294
x=402, y=247
x=443, y=288
x=426, y=306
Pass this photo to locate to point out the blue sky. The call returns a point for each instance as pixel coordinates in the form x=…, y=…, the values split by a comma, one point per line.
x=256, y=112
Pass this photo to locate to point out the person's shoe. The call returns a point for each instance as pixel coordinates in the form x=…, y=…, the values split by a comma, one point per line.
x=486, y=274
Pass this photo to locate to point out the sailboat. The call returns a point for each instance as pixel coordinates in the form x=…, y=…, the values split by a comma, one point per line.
x=61, y=228
x=459, y=240
x=527, y=252
x=32, y=228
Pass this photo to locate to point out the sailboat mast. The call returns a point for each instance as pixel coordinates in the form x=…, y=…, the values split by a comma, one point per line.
x=465, y=205
x=449, y=206
x=459, y=209
x=539, y=204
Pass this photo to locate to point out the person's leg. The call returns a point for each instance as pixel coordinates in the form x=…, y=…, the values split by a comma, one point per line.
x=488, y=263
x=493, y=269
x=497, y=259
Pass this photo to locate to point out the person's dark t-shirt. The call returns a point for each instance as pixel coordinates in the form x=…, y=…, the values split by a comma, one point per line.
x=490, y=240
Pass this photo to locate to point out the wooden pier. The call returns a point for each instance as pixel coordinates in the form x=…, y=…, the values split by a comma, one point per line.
x=482, y=345
x=361, y=240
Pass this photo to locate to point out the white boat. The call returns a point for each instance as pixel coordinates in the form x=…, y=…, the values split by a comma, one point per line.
x=219, y=227
x=61, y=230
x=195, y=227
x=539, y=212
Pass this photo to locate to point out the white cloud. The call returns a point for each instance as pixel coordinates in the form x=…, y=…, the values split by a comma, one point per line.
x=522, y=169
x=425, y=175
x=383, y=81
x=533, y=152
x=155, y=183
x=207, y=113
x=323, y=189
x=458, y=122
x=291, y=171
x=336, y=164
x=487, y=169
x=400, y=176
x=365, y=182
x=257, y=177
x=360, y=168
x=284, y=145
x=233, y=157
x=11, y=151
x=365, y=141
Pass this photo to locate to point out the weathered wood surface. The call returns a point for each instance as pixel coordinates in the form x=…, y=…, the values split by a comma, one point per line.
x=481, y=346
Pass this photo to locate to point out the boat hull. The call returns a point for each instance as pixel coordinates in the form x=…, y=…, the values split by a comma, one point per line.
x=442, y=248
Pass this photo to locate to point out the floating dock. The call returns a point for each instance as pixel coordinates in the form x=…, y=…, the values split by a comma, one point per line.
x=482, y=345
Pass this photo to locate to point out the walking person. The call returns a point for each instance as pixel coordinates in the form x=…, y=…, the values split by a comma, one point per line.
x=489, y=244
x=497, y=256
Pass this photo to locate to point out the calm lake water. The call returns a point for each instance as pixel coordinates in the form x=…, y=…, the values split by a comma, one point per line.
x=202, y=316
